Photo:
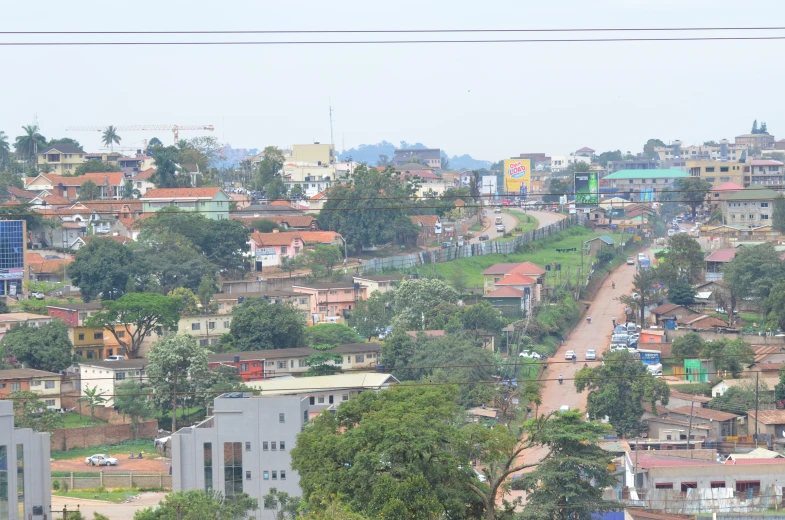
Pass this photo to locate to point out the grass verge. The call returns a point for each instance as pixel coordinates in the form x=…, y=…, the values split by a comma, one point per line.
x=115, y=496
x=118, y=450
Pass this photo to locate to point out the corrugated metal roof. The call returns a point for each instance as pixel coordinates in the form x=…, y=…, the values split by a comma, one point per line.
x=646, y=174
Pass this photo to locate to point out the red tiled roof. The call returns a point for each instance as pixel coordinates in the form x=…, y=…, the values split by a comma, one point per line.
x=517, y=279
x=690, y=397
x=525, y=268
x=56, y=200
x=99, y=178
x=585, y=149
x=176, y=193
x=324, y=193
x=704, y=413
x=425, y=220
x=319, y=237
x=722, y=255
x=766, y=366
x=144, y=175
x=273, y=239
x=702, y=321
x=505, y=292
x=44, y=266
x=665, y=308
x=728, y=186
x=423, y=174
x=300, y=221
x=529, y=268
x=764, y=351
x=22, y=194
x=285, y=203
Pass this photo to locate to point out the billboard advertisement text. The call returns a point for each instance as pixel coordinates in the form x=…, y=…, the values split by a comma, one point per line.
x=587, y=188
x=517, y=176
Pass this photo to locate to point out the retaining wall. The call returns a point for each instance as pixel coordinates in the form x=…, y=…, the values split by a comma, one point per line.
x=105, y=434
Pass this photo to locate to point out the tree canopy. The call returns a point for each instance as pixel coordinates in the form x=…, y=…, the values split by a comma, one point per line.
x=260, y=325
x=416, y=298
x=333, y=334
x=101, y=268
x=754, y=271
x=195, y=504
x=46, y=347
x=30, y=411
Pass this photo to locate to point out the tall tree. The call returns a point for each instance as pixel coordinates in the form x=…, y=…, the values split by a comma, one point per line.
x=753, y=272
x=683, y=261
x=774, y=307
x=642, y=284
x=322, y=258
x=372, y=315
x=101, y=269
x=729, y=356
x=763, y=128
x=110, y=137
x=604, y=157
x=581, y=167
x=47, y=347
x=64, y=140
x=136, y=315
x=692, y=191
x=754, y=127
x=688, y=346
x=648, y=148
x=89, y=191
x=618, y=388
x=5, y=151
x=129, y=400
x=332, y=334
x=29, y=144
x=260, y=325
x=30, y=411
x=166, y=163
x=778, y=215
x=165, y=260
x=415, y=298
x=270, y=168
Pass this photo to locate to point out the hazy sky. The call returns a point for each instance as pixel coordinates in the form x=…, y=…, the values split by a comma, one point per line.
x=488, y=100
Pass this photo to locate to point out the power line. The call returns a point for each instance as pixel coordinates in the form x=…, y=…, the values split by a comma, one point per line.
x=383, y=42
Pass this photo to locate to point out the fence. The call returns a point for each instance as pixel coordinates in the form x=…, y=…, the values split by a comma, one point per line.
x=117, y=480
x=453, y=253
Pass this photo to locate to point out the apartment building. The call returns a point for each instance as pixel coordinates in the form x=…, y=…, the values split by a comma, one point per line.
x=751, y=207
x=45, y=384
x=25, y=475
x=316, y=154
x=243, y=448
x=721, y=151
x=132, y=166
x=263, y=364
x=107, y=375
x=12, y=319
x=61, y=158
x=213, y=203
x=73, y=314
x=110, y=185
x=716, y=172
x=755, y=141
x=643, y=185
x=331, y=302
x=378, y=282
x=300, y=301
x=764, y=172
x=206, y=329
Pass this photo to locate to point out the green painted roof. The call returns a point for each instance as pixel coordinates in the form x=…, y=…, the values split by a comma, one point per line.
x=752, y=193
x=646, y=174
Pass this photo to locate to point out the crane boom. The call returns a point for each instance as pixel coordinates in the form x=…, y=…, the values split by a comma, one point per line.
x=175, y=129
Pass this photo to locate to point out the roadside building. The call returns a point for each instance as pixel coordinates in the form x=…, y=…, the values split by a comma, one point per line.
x=45, y=384
x=497, y=272
x=668, y=314
x=593, y=246
x=300, y=301
x=643, y=185
x=770, y=422
x=717, y=173
x=722, y=424
x=764, y=172
x=749, y=207
x=106, y=376
x=13, y=319
x=331, y=302
x=715, y=262
x=717, y=194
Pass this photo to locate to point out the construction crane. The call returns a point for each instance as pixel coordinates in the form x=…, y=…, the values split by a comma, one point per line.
x=175, y=129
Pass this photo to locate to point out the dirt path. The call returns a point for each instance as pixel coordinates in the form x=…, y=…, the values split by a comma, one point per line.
x=157, y=465
x=585, y=336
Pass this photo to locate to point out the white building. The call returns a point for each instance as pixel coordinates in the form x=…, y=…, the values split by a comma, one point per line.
x=562, y=162
x=107, y=375
x=24, y=493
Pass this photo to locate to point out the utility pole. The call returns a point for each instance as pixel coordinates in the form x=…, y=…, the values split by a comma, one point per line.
x=689, y=432
x=757, y=386
x=174, y=404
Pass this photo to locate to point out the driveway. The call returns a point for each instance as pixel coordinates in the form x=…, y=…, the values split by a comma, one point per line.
x=113, y=511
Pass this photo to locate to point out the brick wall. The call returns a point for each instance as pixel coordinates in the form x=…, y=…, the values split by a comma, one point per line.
x=105, y=413
x=105, y=434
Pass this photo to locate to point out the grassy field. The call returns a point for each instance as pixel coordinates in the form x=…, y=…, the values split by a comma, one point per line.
x=117, y=451
x=94, y=494
x=74, y=420
x=542, y=252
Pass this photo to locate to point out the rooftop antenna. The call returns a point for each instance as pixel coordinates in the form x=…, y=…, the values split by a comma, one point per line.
x=332, y=141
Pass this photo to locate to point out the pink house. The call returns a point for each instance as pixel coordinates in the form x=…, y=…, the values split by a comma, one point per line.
x=331, y=302
x=268, y=249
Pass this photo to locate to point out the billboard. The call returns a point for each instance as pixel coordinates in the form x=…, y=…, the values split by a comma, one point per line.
x=517, y=176
x=587, y=188
x=488, y=186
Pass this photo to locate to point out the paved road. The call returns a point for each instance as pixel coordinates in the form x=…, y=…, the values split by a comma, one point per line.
x=113, y=511
x=585, y=336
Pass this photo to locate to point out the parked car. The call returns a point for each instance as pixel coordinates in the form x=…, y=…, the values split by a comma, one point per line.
x=100, y=460
x=115, y=358
x=500, y=228
x=480, y=476
x=530, y=354
x=37, y=296
x=497, y=209
x=569, y=354
x=564, y=408
x=446, y=245
x=641, y=256
x=591, y=355
x=630, y=260
x=483, y=237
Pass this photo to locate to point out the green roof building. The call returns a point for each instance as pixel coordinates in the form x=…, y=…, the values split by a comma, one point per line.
x=643, y=185
x=750, y=207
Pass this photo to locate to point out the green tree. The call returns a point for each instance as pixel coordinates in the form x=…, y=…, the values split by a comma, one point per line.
x=93, y=398
x=398, y=350
x=175, y=366
x=165, y=260
x=479, y=319
x=778, y=214
x=740, y=399
x=260, y=325
x=752, y=273
x=458, y=280
x=95, y=166
x=581, y=167
x=729, y=356
x=570, y=481
x=556, y=188
x=323, y=363
x=64, y=140
x=89, y=191
x=642, y=284
x=29, y=144
x=372, y=315
x=754, y=127
x=681, y=293
x=683, y=261
x=110, y=137
x=379, y=451
x=30, y=411
x=322, y=258
x=101, y=269
x=198, y=505
x=333, y=334
x=270, y=166
x=283, y=505
x=415, y=298
x=604, y=157
x=774, y=307
x=5, y=151
x=3, y=306
x=648, y=148
x=779, y=388
x=166, y=163
x=691, y=191
x=190, y=306
x=618, y=388
x=290, y=264
x=688, y=346
x=207, y=288
x=8, y=179
x=47, y=347
x=136, y=315
x=129, y=400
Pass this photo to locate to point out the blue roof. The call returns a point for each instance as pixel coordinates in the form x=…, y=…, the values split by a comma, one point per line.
x=605, y=238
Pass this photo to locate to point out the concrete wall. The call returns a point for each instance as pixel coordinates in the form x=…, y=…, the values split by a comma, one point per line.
x=118, y=480
x=105, y=434
x=753, y=339
x=767, y=474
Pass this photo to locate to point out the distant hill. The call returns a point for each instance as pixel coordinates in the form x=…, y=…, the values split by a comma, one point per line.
x=369, y=153
x=234, y=156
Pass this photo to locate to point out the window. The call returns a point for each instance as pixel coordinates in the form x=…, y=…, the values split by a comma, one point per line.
x=359, y=358
x=16, y=386
x=345, y=397
x=266, y=476
x=303, y=301
x=121, y=334
x=210, y=325
x=333, y=292
x=348, y=292
x=275, y=475
x=49, y=402
x=688, y=485
x=283, y=250
x=35, y=383
x=265, y=445
x=244, y=367
x=305, y=416
x=247, y=475
x=751, y=487
x=331, y=400
x=283, y=474
x=764, y=217
x=723, y=168
x=227, y=324
x=273, y=446
x=281, y=417
x=207, y=451
x=710, y=169
x=81, y=337
x=663, y=485
x=312, y=400
x=196, y=326
x=282, y=364
x=203, y=342
x=764, y=204
x=247, y=446
x=282, y=445
x=717, y=484
x=301, y=363
x=49, y=384
x=98, y=335
x=233, y=469
x=119, y=376
x=321, y=399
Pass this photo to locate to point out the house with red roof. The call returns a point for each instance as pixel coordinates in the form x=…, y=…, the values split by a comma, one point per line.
x=110, y=184
x=715, y=261
x=497, y=272
x=269, y=249
x=430, y=227
x=717, y=195
x=143, y=181
x=211, y=202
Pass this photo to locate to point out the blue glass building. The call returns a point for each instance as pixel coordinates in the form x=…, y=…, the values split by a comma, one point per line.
x=12, y=256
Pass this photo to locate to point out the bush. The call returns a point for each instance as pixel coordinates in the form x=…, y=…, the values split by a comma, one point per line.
x=703, y=389
x=64, y=485
x=56, y=485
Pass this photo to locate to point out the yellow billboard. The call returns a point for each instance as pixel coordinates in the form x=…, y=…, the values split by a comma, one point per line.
x=517, y=176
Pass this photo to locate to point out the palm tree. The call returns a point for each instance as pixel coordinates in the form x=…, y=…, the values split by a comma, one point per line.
x=27, y=145
x=93, y=398
x=5, y=151
x=110, y=137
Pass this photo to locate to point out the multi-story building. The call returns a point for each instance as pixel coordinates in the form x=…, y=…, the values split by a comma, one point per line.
x=716, y=172
x=213, y=203
x=73, y=314
x=61, y=158
x=750, y=207
x=378, y=282
x=206, y=328
x=300, y=301
x=269, y=249
x=45, y=384
x=643, y=185
x=764, y=172
x=526, y=273
x=641, y=162
x=562, y=162
x=132, y=166
x=90, y=343
x=755, y=141
x=722, y=151
x=25, y=475
x=107, y=375
x=13, y=244
x=107, y=157
x=428, y=156
x=263, y=364
x=331, y=302
x=243, y=448
x=12, y=319
x=110, y=185
x=314, y=154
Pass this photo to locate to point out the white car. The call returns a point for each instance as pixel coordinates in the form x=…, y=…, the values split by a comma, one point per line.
x=480, y=476
x=530, y=355
x=564, y=408
x=115, y=358
x=500, y=228
x=101, y=460
x=641, y=256
x=591, y=354
x=569, y=354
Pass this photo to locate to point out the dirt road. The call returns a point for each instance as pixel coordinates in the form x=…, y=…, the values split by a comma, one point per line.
x=154, y=465
x=112, y=511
